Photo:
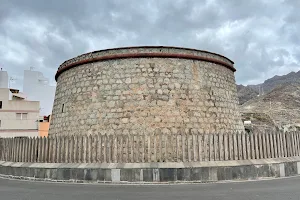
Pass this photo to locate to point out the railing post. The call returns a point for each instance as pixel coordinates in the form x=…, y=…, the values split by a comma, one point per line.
x=235, y=146
x=264, y=145
x=104, y=138
x=275, y=145
x=114, y=148
x=206, y=147
x=71, y=148
x=271, y=144
x=226, y=146
x=240, y=146
x=77, y=149
x=89, y=149
x=99, y=149
x=260, y=144
x=55, y=149
x=200, y=147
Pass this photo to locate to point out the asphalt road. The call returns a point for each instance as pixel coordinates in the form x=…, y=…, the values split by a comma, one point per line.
x=279, y=189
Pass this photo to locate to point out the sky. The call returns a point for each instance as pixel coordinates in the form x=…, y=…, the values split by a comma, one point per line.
x=260, y=36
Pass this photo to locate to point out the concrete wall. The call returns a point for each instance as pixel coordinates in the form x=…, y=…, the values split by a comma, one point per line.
x=5, y=94
x=151, y=149
x=166, y=92
x=153, y=173
x=43, y=129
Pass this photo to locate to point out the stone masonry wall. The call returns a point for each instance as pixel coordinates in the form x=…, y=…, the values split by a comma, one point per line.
x=146, y=95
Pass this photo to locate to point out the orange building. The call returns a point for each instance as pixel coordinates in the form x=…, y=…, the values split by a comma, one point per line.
x=44, y=126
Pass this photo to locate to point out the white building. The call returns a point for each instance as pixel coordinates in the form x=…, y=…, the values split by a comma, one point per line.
x=37, y=88
x=3, y=79
x=18, y=117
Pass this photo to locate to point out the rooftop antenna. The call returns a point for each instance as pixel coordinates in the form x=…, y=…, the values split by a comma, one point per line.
x=11, y=79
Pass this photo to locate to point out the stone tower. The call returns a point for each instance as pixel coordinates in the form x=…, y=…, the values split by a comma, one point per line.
x=146, y=90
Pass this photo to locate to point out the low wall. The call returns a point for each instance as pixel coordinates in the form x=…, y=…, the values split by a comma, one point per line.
x=153, y=172
x=151, y=148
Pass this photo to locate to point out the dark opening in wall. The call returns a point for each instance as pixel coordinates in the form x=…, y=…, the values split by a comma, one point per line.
x=63, y=107
x=0, y=104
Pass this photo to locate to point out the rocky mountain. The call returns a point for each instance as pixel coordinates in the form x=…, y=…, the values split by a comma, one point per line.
x=280, y=106
x=245, y=93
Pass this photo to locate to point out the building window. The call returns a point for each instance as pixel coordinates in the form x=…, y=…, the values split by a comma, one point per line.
x=63, y=108
x=24, y=115
x=21, y=116
x=0, y=123
x=0, y=104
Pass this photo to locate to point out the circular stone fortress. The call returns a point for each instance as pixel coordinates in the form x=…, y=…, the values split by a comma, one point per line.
x=146, y=90
x=149, y=114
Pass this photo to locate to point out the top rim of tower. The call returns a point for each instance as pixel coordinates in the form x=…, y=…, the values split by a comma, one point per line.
x=145, y=51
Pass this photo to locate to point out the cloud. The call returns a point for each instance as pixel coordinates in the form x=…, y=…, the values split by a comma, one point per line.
x=261, y=36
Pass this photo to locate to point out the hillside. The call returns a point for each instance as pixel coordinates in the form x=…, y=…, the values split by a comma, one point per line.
x=245, y=93
x=282, y=105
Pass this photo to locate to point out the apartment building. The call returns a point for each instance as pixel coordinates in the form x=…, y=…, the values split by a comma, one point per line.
x=18, y=117
x=37, y=88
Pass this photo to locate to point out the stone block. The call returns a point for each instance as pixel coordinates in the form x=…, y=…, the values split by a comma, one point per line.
x=48, y=173
x=8, y=170
x=130, y=175
x=101, y=175
x=248, y=172
x=196, y=174
x=205, y=174
x=17, y=171
x=237, y=172
x=115, y=175
x=274, y=170
x=126, y=175
x=184, y=174
x=221, y=173
x=39, y=172
x=213, y=174
x=298, y=167
x=227, y=173
x=63, y=174
x=282, y=170
x=54, y=174
x=2, y=169
x=224, y=173
x=107, y=175
x=262, y=170
x=168, y=174
x=290, y=168
x=148, y=175
x=77, y=174
x=23, y=171
x=30, y=172
x=90, y=174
